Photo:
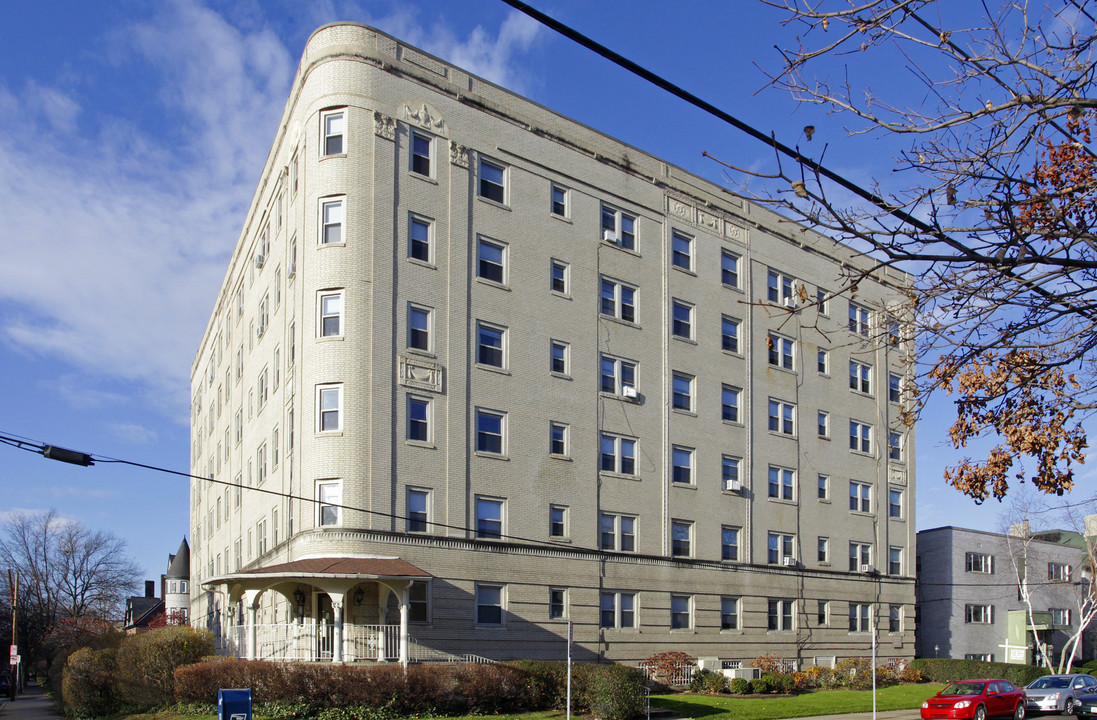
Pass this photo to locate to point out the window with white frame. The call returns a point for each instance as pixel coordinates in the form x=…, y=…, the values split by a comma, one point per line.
x=490, y=517
x=491, y=262
x=822, y=550
x=729, y=470
x=1058, y=572
x=618, y=454
x=261, y=464
x=490, y=431
x=779, y=286
x=729, y=613
x=618, y=227
x=420, y=231
x=860, y=496
x=729, y=334
x=895, y=503
x=822, y=613
x=261, y=537
x=779, y=614
x=858, y=319
x=682, y=391
x=782, y=416
x=419, y=327
x=780, y=351
x=617, y=532
x=681, y=251
x=618, y=300
x=780, y=546
x=559, y=357
x=977, y=562
x=860, y=555
x=895, y=445
x=895, y=561
x=824, y=424
x=330, y=305
x=558, y=521
x=331, y=221
x=333, y=124
x=329, y=512
x=729, y=268
x=329, y=408
x=421, y=154
x=729, y=403
x=263, y=316
x=859, y=617
x=978, y=614
x=419, y=412
x=782, y=483
x=418, y=512
x=681, y=320
x=860, y=436
x=490, y=345
x=558, y=276
x=558, y=603
x=823, y=484
x=617, y=375
x=618, y=610
x=558, y=439
x=681, y=612
x=558, y=201
x=822, y=301
x=823, y=361
x=681, y=538
x=493, y=181
x=729, y=543
x=489, y=604
x=1060, y=616
x=262, y=388
x=894, y=387
x=860, y=376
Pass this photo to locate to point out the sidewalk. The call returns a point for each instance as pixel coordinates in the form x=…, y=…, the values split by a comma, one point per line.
x=33, y=704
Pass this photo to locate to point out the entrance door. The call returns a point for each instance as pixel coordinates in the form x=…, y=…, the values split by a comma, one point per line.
x=325, y=631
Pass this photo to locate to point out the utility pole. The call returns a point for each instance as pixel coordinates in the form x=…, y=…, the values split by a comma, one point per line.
x=13, y=585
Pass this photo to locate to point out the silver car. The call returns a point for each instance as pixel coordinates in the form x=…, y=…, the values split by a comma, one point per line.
x=1058, y=693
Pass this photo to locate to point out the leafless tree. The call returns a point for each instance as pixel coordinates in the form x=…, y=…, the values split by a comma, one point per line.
x=989, y=202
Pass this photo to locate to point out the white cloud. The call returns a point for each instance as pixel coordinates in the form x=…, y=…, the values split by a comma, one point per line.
x=133, y=434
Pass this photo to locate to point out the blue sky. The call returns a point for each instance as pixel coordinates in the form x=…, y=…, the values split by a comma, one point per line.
x=132, y=135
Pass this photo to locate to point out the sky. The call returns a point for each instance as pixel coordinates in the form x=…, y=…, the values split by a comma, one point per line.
x=132, y=136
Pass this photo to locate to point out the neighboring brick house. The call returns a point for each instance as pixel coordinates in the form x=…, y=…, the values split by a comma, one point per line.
x=476, y=371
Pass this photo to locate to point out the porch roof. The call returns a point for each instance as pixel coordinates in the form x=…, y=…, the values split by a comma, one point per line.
x=337, y=567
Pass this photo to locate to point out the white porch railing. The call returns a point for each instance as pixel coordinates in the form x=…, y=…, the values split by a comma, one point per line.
x=310, y=642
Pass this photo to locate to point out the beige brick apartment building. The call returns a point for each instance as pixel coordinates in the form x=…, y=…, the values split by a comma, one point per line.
x=476, y=370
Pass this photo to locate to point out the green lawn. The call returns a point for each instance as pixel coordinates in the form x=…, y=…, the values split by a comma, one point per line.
x=820, y=702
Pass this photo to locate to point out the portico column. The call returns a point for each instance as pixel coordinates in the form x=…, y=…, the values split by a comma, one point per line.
x=382, y=605
x=404, y=625
x=337, y=635
x=251, y=598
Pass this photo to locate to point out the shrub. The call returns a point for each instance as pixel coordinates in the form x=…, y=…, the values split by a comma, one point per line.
x=617, y=692
x=770, y=683
x=88, y=686
x=769, y=664
x=707, y=681
x=668, y=667
x=147, y=663
x=740, y=686
x=820, y=677
x=800, y=681
x=946, y=670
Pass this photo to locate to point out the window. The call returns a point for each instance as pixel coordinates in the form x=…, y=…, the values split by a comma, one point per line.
x=780, y=351
x=419, y=238
x=979, y=614
x=559, y=277
x=490, y=345
x=490, y=428
x=1060, y=616
x=895, y=503
x=617, y=375
x=1058, y=572
x=261, y=537
x=557, y=603
x=681, y=538
x=729, y=403
x=729, y=543
x=822, y=611
x=618, y=300
x=682, y=392
x=617, y=532
x=334, y=127
x=263, y=317
x=489, y=518
x=893, y=331
x=779, y=547
x=781, y=416
x=260, y=465
x=619, y=228
x=418, y=519
x=860, y=496
x=824, y=424
x=558, y=439
x=729, y=334
x=979, y=563
x=860, y=376
x=491, y=261
x=681, y=251
x=823, y=550
x=729, y=470
x=895, y=618
x=682, y=465
x=331, y=314
x=293, y=175
x=558, y=203
x=489, y=604
x=618, y=610
x=823, y=361
x=729, y=613
x=895, y=445
x=419, y=327
x=860, y=554
x=558, y=352
x=418, y=419
x=682, y=320
x=329, y=408
x=858, y=319
x=729, y=268
x=778, y=287
x=419, y=602
x=493, y=184
x=420, y=153
x=330, y=495
x=781, y=483
x=860, y=436
x=824, y=487
x=681, y=612
x=822, y=301
x=331, y=218
x=263, y=389
x=895, y=561
x=894, y=387
x=618, y=454
x=558, y=521
x=779, y=615
x=859, y=620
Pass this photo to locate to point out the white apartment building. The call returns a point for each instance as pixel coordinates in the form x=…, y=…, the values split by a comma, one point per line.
x=477, y=371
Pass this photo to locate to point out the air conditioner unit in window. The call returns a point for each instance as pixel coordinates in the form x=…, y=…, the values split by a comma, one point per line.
x=628, y=391
x=291, y=271
x=789, y=562
x=609, y=236
x=868, y=569
x=259, y=331
x=733, y=485
x=790, y=302
x=260, y=261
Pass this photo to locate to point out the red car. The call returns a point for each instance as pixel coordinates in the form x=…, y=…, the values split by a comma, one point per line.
x=976, y=700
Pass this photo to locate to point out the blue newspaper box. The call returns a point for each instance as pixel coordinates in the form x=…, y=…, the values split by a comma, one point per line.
x=234, y=704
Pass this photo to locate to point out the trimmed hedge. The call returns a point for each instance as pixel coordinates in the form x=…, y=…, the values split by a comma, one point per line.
x=147, y=663
x=947, y=670
x=87, y=685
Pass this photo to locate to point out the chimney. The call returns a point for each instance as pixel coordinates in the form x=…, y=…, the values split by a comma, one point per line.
x=150, y=588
